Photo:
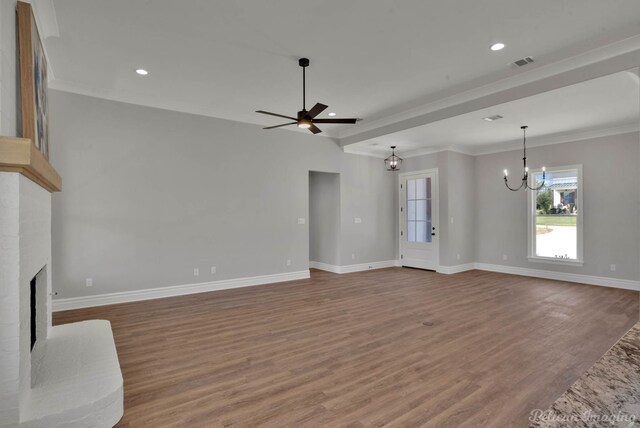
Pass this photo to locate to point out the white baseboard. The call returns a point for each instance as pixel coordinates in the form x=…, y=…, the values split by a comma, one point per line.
x=562, y=276
x=180, y=290
x=456, y=269
x=176, y=290
x=538, y=273
x=324, y=266
x=353, y=268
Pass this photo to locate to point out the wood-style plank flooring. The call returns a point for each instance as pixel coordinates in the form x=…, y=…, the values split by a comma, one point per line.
x=353, y=350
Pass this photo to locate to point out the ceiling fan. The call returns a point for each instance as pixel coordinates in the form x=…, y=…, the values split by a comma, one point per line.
x=306, y=119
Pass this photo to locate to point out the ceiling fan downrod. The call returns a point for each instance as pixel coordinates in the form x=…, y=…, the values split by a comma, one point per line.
x=304, y=63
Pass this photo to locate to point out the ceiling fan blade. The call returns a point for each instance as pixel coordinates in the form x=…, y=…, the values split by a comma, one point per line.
x=314, y=129
x=275, y=114
x=335, y=121
x=316, y=110
x=278, y=126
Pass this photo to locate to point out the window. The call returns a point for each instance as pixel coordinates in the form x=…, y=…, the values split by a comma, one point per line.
x=419, y=210
x=555, y=233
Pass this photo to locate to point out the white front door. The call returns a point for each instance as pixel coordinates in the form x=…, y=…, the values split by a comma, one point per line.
x=419, y=219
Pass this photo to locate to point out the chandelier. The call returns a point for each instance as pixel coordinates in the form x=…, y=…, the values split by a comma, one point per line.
x=393, y=162
x=525, y=176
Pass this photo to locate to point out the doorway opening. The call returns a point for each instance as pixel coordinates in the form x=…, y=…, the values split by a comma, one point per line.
x=324, y=220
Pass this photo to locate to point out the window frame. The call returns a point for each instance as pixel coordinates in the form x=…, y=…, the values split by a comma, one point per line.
x=532, y=257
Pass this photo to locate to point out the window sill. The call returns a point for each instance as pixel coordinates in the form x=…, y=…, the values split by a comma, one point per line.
x=556, y=261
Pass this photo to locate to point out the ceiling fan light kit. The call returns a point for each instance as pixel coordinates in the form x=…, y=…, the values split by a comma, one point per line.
x=525, y=176
x=307, y=119
x=304, y=123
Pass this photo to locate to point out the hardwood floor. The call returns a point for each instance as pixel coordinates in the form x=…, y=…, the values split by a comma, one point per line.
x=353, y=350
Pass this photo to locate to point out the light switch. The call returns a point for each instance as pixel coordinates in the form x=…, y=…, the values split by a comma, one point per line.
x=357, y=220
x=301, y=220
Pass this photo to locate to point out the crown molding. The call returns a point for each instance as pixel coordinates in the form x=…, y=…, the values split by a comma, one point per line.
x=68, y=87
x=635, y=75
x=404, y=154
x=620, y=56
x=561, y=138
x=623, y=55
x=433, y=150
x=363, y=152
x=547, y=140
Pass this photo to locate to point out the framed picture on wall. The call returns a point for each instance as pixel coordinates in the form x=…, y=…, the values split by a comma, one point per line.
x=33, y=80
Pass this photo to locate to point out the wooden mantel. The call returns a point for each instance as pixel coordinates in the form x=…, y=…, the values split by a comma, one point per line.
x=20, y=155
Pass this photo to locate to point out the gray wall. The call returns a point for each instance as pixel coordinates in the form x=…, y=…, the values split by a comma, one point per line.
x=610, y=217
x=456, y=175
x=149, y=195
x=489, y=220
x=368, y=192
x=461, y=207
x=324, y=217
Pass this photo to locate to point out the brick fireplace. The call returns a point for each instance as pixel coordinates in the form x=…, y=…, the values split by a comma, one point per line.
x=25, y=254
x=69, y=376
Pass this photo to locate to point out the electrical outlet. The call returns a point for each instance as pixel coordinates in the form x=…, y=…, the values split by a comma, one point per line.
x=504, y=257
x=288, y=262
x=88, y=282
x=458, y=256
x=613, y=268
x=451, y=220
x=213, y=270
x=196, y=272
x=357, y=220
x=353, y=256
x=301, y=220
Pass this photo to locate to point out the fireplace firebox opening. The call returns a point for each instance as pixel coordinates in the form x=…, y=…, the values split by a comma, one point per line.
x=33, y=316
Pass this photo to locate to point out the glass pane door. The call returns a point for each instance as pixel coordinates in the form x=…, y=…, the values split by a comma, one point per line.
x=419, y=210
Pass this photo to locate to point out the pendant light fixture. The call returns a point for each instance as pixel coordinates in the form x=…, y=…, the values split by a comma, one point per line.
x=393, y=162
x=525, y=177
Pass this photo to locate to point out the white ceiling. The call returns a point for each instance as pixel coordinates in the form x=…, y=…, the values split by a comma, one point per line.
x=369, y=58
x=609, y=104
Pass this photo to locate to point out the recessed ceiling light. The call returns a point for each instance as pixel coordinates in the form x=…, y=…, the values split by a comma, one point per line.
x=142, y=72
x=492, y=118
x=331, y=114
x=497, y=46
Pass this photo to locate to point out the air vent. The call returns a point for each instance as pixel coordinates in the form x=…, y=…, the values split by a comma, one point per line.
x=492, y=118
x=522, y=62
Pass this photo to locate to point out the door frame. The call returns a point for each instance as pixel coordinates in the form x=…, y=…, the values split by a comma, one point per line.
x=435, y=214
